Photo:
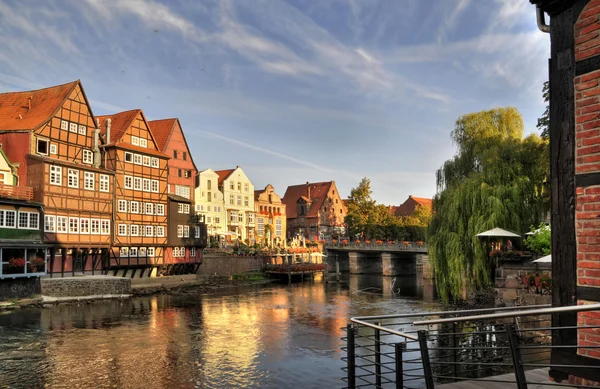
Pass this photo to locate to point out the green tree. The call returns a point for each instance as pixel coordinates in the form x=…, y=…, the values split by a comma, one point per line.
x=543, y=123
x=360, y=206
x=496, y=179
x=541, y=241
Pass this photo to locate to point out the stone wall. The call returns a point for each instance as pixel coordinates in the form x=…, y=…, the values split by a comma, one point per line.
x=85, y=286
x=19, y=288
x=229, y=265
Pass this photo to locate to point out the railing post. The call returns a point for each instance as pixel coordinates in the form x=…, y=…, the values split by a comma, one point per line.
x=378, y=356
x=454, y=346
x=399, y=349
x=513, y=343
x=351, y=357
x=425, y=357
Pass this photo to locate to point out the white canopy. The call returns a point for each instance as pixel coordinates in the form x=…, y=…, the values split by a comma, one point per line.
x=546, y=259
x=545, y=228
x=499, y=233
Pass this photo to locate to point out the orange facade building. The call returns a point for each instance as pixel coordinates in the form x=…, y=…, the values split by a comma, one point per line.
x=49, y=135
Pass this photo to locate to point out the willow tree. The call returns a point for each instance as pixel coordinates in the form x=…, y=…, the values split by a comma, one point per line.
x=496, y=179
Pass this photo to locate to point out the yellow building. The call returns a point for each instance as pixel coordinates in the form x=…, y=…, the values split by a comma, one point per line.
x=238, y=197
x=270, y=217
x=209, y=202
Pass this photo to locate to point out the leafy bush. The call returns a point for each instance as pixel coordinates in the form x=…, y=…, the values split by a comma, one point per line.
x=538, y=283
x=541, y=241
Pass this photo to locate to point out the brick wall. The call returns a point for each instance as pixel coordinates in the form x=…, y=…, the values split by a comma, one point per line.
x=587, y=160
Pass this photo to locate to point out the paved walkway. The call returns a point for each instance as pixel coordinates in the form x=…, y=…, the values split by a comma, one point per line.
x=535, y=380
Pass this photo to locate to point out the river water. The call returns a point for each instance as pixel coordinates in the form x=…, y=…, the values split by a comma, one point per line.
x=268, y=336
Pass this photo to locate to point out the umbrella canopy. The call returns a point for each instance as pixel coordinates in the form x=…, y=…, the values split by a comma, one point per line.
x=499, y=233
x=545, y=228
x=318, y=254
x=546, y=259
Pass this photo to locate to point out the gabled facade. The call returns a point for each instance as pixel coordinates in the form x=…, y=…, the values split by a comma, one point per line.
x=208, y=200
x=140, y=191
x=238, y=194
x=314, y=210
x=411, y=204
x=270, y=217
x=50, y=136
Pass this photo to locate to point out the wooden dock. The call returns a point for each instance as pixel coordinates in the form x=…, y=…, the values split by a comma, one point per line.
x=535, y=380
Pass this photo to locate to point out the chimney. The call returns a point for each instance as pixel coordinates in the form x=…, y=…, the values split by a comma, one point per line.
x=29, y=103
x=308, y=189
x=96, y=149
x=108, y=131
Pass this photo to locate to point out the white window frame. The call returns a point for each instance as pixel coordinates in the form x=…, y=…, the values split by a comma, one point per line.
x=95, y=226
x=73, y=225
x=47, y=146
x=196, y=231
x=87, y=157
x=179, y=208
x=150, y=251
x=137, y=183
x=186, y=208
x=278, y=228
x=192, y=252
x=149, y=208
x=89, y=180
x=134, y=207
x=134, y=230
x=104, y=227
x=159, y=209
x=128, y=182
x=124, y=252
x=149, y=231
x=73, y=127
x=122, y=230
x=217, y=220
x=141, y=252
x=84, y=226
x=72, y=174
x=180, y=231
x=53, y=148
x=64, y=125
x=82, y=130
x=186, y=231
x=133, y=251
x=160, y=231
x=128, y=157
x=104, y=183
x=246, y=187
x=49, y=223
x=155, y=186
x=135, y=141
x=154, y=162
x=145, y=160
x=13, y=217
x=122, y=206
x=56, y=175
x=137, y=159
x=146, y=184
x=143, y=142
x=62, y=224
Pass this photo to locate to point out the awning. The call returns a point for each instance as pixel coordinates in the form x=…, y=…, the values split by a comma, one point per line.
x=498, y=233
x=546, y=259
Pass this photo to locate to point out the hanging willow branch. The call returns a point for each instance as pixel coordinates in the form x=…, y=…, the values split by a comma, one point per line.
x=496, y=179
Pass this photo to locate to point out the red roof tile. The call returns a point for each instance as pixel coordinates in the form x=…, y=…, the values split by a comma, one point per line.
x=223, y=174
x=161, y=129
x=318, y=194
x=410, y=205
x=119, y=123
x=15, y=113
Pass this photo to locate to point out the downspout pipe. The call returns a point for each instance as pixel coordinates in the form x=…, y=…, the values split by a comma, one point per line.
x=541, y=20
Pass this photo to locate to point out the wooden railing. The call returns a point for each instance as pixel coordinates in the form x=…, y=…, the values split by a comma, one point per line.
x=16, y=192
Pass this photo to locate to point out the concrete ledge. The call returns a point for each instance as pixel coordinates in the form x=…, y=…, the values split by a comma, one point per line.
x=49, y=300
x=85, y=286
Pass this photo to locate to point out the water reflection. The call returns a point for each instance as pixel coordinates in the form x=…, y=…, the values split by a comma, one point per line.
x=267, y=337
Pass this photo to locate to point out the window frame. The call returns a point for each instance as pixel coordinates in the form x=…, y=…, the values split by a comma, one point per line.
x=104, y=183
x=154, y=162
x=73, y=225
x=50, y=223
x=70, y=176
x=104, y=223
x=95, y=229
x=43, y=141
x=87, y=180
x=124, y=229
x=135, y=140
x=134, y=230
x=125, y=180
x=159, y=209
x=145, y=160
x=57, y=175
x=84, y=226
x=149, y=231
x=137, y=159
x=62, y=225
x=134, y=207
x=122, y=206
x=87, y=157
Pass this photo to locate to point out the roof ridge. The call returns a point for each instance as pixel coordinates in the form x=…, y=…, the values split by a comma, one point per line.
x=42, y=89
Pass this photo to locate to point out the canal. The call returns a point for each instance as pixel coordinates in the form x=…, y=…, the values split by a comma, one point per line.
x=270, y=336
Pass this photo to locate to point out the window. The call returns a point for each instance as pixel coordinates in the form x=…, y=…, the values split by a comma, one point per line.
x=134, y=207
x=149, y=208
x=175, y=252
x=179, y=172
x=133, y=251
x=149, y=230
x=239, y=200
x=88, y=157
x=142, y=252
x=105, y=227
x=122, y=229
x=88, y=180
x=154, y=186
x=73, y=225
x=61, y=224
x=159, y=209
x=135, y=141
x=8, y=218
x=42, y=146
x=128, y=182
x=122, y=205
x=183, y=191
x=175, y=154
x=49, y=223
x=134, y=230
x=186, y=208
x=246, y=187
x=146, y=182
x=196, y=231
x=73, y=127
x=73, y=181
x=104, y=183
x=241, y=217
x=246, y=201
x=233, y=217
x=199, y=207
x=154, y=162
x=208, y=208
x=184, y=156
x=53, y=149
x=217, y=208
x=64, y=125
x=146, y=160
x=260, y=223
x=239, y=186
x=208, y=219
x=137, y=159
x=278, y=228
x=217, y=220
x=179, y=208
x=250, y=218
x=128, y=157
x=55, y=175
x=192, y=251
x=209, y=185
x=150, y=251
x=186, y=173
x=160, y=231
x=137, y=183
x=231, y=199
x=232, y=185
x=180, y=231
x=82, y=130
x=84, y=226
x=143, y=142
x=124, y=252
x=95, y=226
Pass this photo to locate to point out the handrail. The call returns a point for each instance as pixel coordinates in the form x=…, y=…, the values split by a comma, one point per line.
x=532, y=312
x=388, y=330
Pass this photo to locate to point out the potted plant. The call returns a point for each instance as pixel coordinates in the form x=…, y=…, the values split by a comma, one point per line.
x=16, y=265
x=36, y=264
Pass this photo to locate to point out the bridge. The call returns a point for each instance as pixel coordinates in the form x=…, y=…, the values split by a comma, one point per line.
x=388, y=259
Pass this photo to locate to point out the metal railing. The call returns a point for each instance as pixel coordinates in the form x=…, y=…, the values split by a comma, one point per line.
x=502, y=345
x=374, y=246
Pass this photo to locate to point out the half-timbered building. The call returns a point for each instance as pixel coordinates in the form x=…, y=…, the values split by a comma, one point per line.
x=50, y=136
x=140, y=193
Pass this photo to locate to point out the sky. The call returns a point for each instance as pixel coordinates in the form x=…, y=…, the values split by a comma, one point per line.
x=291, y=90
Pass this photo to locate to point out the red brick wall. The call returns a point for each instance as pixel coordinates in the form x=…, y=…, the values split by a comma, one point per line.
x=587, y=160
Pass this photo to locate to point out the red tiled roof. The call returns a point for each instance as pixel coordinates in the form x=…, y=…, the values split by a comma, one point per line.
x=318, y=194
x=223, y=174
x=15, y=113
x=410, y=205
x=424, y=202
x=119, y=123
x=161, y=129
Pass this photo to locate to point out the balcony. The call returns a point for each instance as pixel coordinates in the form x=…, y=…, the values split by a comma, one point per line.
x=16, y=192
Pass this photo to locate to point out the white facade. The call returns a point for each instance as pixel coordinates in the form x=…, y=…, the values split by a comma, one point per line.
x=209, y=202
x=238, y=196
x=6, y=172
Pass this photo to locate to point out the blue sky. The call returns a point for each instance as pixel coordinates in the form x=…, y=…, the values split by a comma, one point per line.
x=291, y=90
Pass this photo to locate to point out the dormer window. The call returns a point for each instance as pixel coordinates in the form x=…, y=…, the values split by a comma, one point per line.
x=143, y=142
x=135, y=141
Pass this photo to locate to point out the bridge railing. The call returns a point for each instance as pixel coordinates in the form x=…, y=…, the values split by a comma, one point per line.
x=421, y=350
x=377, y=245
